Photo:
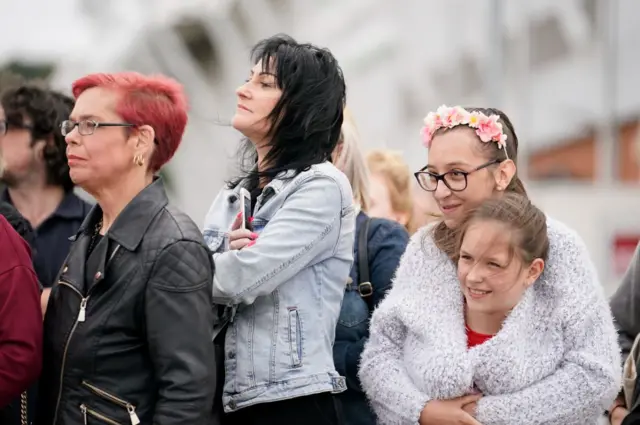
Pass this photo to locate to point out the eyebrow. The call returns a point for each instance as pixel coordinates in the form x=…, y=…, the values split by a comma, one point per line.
x=263, y=73
x=84, y=117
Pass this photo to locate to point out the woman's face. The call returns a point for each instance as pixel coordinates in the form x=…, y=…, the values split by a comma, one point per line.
x=105, y=157
x=256, y=99
x=492, y=276
x=458, y=150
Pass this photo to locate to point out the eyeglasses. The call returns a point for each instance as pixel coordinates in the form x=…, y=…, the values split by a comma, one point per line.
x=455, y=180
x=5, y=126
x=87, y=127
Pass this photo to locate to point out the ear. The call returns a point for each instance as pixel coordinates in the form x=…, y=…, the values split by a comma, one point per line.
x=144, y=139
x=503, y=175
x=534, y=271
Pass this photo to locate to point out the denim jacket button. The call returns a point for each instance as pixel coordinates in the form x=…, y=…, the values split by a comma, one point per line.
x=232, y=405
x=231, y=355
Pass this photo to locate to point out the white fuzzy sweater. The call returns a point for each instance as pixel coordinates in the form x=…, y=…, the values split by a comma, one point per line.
x=555, y=361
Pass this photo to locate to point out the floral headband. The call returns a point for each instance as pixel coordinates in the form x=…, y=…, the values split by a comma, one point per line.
x=488, y=128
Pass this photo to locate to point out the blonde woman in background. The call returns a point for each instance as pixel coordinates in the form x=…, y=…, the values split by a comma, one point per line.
x=379, y=244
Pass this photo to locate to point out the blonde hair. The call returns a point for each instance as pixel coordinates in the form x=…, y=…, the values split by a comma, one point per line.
x=395, y=171
x=351, y=161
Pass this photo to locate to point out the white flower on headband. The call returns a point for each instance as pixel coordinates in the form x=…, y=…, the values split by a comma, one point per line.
x=488, y=128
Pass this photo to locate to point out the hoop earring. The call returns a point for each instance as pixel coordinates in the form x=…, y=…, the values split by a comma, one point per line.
x=138, y=160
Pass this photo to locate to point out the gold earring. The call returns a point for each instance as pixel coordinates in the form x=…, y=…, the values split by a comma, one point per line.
x=138, y=160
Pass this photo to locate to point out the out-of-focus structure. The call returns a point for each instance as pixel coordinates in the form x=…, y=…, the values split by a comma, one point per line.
x=564, y=71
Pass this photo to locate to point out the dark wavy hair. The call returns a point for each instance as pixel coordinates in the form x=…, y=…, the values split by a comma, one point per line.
x=306, y=121
x=43, y=110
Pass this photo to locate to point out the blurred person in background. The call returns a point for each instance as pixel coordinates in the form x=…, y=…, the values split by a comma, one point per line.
x=572, y=373
x=390, y=183
x=625, y=306
x=20, y=320
x=25, y=405
x=425, y=209
x=379, y=244
x=129, y=324
x=36, y=173
x=282, y=263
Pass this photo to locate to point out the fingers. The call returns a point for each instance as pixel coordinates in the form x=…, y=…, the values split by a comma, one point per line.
x=240, y=243
x=470, y=408
x=237, y=223
x=471, y=398
x=467, y=419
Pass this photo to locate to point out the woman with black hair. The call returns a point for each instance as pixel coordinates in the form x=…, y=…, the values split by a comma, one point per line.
x=282, y=262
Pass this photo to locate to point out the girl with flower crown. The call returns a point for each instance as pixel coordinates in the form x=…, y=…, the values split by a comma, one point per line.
x=496, y=315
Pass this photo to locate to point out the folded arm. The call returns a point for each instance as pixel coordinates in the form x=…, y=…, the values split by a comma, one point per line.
x=307, y=225
x=179, y=323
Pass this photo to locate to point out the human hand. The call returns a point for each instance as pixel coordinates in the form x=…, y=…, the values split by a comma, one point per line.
x=240, y=238
x=450, y=412
x=618, y=414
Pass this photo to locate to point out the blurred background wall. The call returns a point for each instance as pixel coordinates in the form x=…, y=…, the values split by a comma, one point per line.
x=564, y=71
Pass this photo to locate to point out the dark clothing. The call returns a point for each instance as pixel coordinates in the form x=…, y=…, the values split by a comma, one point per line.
x=128, y=329
x=387, y=241
x=317, y=409
x=20, y=319
x=52, y=242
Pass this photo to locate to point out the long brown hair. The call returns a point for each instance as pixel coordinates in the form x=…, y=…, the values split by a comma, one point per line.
x=443, y=233
x=527, y=222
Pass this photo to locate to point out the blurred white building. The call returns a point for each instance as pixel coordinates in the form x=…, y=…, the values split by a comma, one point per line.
x=543, y=62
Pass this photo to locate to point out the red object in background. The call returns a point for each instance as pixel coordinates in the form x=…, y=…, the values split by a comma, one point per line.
x=623, y=248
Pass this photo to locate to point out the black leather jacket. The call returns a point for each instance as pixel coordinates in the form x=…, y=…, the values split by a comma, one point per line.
x=128, y=330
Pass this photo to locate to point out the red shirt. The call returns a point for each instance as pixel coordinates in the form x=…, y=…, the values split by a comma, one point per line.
x=475, y=338
x=20, y=316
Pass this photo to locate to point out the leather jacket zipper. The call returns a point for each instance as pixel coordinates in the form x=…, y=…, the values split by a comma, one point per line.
x=81, y=318
x=86, y=411
x=131, y=409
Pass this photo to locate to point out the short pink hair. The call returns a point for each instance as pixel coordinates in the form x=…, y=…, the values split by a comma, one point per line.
x=154, y=100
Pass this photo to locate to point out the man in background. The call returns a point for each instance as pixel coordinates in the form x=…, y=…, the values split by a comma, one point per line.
x=35, y=173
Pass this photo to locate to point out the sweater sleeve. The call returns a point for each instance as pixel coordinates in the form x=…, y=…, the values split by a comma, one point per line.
x=394, y=397
x=588, y=379
x=624, y=305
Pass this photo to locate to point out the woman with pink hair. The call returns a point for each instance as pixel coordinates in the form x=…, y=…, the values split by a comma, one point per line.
x=130, y=320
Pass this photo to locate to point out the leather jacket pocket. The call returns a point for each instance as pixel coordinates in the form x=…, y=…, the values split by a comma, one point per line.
x=91, y=416
x=105, y=395
x=295, y=337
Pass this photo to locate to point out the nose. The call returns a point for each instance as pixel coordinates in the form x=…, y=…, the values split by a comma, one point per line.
x=72, y=137
x=243, y=91
x=474, y=274
x=442, y=191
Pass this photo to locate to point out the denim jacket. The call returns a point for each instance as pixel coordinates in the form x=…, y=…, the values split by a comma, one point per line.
x=387, y=241
x=286, y=290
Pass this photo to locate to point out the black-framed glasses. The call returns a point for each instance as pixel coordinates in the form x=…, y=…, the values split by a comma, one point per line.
x=87, y=127
x=5, y=126
x=455, y=180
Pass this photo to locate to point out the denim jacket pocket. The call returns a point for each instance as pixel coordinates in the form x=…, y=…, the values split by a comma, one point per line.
x=216, y=240
x=295, y=337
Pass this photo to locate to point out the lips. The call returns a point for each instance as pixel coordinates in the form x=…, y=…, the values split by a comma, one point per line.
x=244, y=108
x=477, y=293
x=449, y=208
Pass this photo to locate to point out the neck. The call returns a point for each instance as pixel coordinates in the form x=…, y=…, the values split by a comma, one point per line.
x=484, y=323
x=37, y=201
x=114, y=199
x=262, y=165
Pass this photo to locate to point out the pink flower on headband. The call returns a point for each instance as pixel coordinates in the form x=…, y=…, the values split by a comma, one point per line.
x=488, y=128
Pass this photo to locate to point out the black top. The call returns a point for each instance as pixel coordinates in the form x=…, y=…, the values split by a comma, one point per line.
x=51, y=237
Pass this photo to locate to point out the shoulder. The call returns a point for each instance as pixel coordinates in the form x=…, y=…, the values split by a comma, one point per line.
x=174, y=225
x=381, y=228
x=325, y=173
x=13, y=249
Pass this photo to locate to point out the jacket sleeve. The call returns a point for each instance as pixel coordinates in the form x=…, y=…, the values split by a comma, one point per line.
x=179, y=324
x=588, y=379
x=384, y=378
x=387, y=244
x=625, y=305
x=20, y=332
x=307, y=225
